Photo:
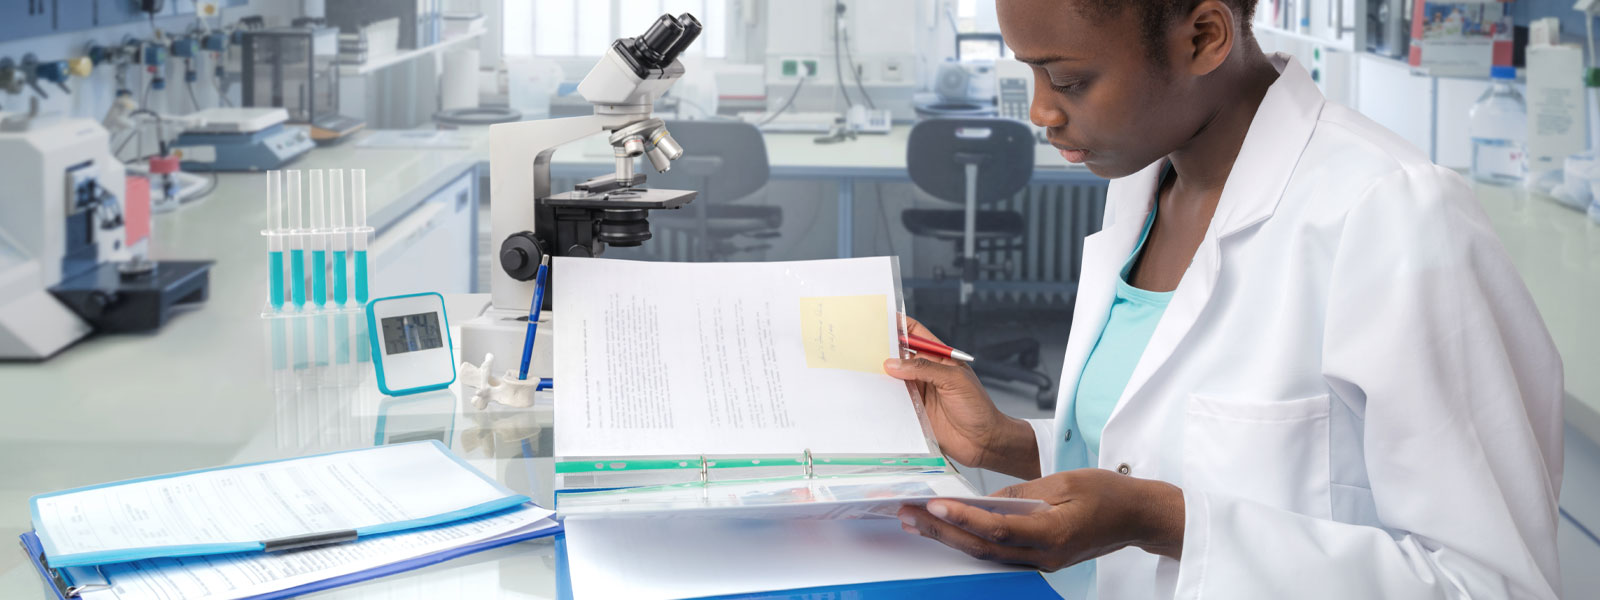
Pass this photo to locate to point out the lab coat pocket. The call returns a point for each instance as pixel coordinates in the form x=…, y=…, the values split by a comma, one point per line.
x=1274, y=452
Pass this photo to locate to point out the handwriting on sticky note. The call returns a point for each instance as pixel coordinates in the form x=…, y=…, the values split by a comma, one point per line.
x=846, y=332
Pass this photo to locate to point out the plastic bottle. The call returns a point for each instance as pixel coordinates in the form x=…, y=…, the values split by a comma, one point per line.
x=1499, y=128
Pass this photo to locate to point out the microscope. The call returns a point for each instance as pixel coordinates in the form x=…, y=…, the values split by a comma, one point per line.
x=529, y=222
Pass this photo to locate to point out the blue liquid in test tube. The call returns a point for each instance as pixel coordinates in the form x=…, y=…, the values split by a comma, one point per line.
x=319, y=274
x=341, y=289
x=297, y=270
x=338, y=232
x=297, y=242
x=361, y=276
x=275, y=287
x=358, y=217
x=319, y=240
x=274, y=233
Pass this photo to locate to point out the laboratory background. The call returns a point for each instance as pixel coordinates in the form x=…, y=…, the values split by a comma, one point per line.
x=199, y=199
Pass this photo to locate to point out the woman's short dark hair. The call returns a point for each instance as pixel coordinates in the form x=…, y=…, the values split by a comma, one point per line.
x=1155, y=16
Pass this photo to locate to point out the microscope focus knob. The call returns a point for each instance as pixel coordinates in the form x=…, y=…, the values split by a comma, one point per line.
x=520, y=255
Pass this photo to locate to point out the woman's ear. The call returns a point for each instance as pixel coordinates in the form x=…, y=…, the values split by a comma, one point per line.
x=1201, y=41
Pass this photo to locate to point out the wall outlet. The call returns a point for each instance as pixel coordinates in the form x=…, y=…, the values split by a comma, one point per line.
x=894, y=71
x=794, y=68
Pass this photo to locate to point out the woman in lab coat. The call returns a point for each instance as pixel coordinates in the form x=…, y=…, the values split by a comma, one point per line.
x=1301, y=364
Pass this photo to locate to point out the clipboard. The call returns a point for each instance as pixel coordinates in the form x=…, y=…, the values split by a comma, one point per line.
x=58, y=588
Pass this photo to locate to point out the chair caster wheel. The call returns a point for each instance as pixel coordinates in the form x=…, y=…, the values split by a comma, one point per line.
x=1045, y=400
x=1029, y=358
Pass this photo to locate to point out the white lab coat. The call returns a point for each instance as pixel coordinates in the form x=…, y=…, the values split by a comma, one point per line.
x=1351, y=384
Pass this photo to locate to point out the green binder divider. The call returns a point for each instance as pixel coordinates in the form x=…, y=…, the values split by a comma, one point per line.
x=905, y=461
x=596, y=466
x=713, y=484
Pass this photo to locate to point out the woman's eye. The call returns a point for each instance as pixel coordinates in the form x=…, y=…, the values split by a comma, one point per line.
x=1069, y=87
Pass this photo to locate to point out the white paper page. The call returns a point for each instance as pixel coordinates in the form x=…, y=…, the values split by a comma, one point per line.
x=867, y=497
x=243, y=575
x=653, y=558
x=335, y=492
x=723, y=358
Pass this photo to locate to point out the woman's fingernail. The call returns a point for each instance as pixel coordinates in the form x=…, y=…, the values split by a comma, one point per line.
x=910, y=529
x=893, y=363
x=938, y=509
x=907, y=523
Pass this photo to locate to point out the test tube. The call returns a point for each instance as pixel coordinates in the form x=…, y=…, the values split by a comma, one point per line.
x=319, y=244
x=297, y=253
x=337, y=233
x=275, y=238
x=358, y=215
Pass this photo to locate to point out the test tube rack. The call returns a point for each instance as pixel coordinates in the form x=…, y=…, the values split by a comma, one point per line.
x=291, y=290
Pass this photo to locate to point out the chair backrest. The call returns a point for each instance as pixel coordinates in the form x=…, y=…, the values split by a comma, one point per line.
x=939, y=150
x=723, y=160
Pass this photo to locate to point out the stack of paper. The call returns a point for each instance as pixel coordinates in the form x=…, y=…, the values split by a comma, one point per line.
x=250, y=530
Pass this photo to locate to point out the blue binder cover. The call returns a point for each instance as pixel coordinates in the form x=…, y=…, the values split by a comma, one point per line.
x=58, y=587
x=989, y=585
x=509, y=500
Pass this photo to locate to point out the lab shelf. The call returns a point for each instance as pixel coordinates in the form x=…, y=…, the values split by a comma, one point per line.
x=378, y=64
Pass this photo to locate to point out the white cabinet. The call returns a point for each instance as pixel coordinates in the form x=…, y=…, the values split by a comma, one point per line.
x=433, y=248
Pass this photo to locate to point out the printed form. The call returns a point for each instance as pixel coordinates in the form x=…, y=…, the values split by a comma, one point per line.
x=332, y=492
x=729, y=358
x=250, y=574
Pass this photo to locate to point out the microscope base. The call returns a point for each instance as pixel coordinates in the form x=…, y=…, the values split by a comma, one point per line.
x=35, y=326
x=116, y=303
x=502, y=333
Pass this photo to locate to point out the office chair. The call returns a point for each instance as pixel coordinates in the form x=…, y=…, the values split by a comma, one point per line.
x=725, y=161
x=971, y=162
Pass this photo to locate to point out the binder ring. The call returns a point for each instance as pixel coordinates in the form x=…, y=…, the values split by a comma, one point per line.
x=810, y=470
x=705, y=475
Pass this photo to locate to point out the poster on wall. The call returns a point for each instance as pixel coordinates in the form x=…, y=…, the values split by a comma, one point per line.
x=1460, y=39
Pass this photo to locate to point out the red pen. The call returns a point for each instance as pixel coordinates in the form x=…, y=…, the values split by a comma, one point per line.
x=927, y=346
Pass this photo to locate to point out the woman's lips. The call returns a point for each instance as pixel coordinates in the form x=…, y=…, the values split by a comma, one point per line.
x=1074, y=156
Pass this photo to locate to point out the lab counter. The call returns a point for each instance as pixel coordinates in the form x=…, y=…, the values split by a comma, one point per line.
x=206, y=363
x=1557, y=251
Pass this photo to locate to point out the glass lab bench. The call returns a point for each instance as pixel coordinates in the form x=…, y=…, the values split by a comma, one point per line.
x=314, y=393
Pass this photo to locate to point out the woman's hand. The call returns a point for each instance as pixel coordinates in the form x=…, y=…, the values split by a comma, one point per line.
x=1093, y=512
x=968, y=426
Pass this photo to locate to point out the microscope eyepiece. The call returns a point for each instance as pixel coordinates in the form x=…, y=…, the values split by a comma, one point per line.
x=691, y=30
x=658, y=41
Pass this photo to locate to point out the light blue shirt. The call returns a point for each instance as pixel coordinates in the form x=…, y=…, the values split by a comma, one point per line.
x=1133, y=318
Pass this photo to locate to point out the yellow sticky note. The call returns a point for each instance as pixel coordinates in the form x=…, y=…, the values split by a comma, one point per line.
x=846, y=332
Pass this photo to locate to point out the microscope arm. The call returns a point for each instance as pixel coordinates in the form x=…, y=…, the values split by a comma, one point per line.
x=513, y=145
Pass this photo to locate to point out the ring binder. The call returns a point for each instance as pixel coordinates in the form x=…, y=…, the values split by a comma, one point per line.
x=63, y=588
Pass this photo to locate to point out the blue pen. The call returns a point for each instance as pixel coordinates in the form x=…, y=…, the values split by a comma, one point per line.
x=545, y=384
x=533, y=316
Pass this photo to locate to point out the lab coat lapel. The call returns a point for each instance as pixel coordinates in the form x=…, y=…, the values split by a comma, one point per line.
x=1272, y=147
x=1128, y=202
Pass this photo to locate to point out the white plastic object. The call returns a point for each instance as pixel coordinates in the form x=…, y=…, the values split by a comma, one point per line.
x=506, y=389
x=1499, y=130
x=1578, y=174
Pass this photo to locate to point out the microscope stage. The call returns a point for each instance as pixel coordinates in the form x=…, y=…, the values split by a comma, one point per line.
x=626, y=198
